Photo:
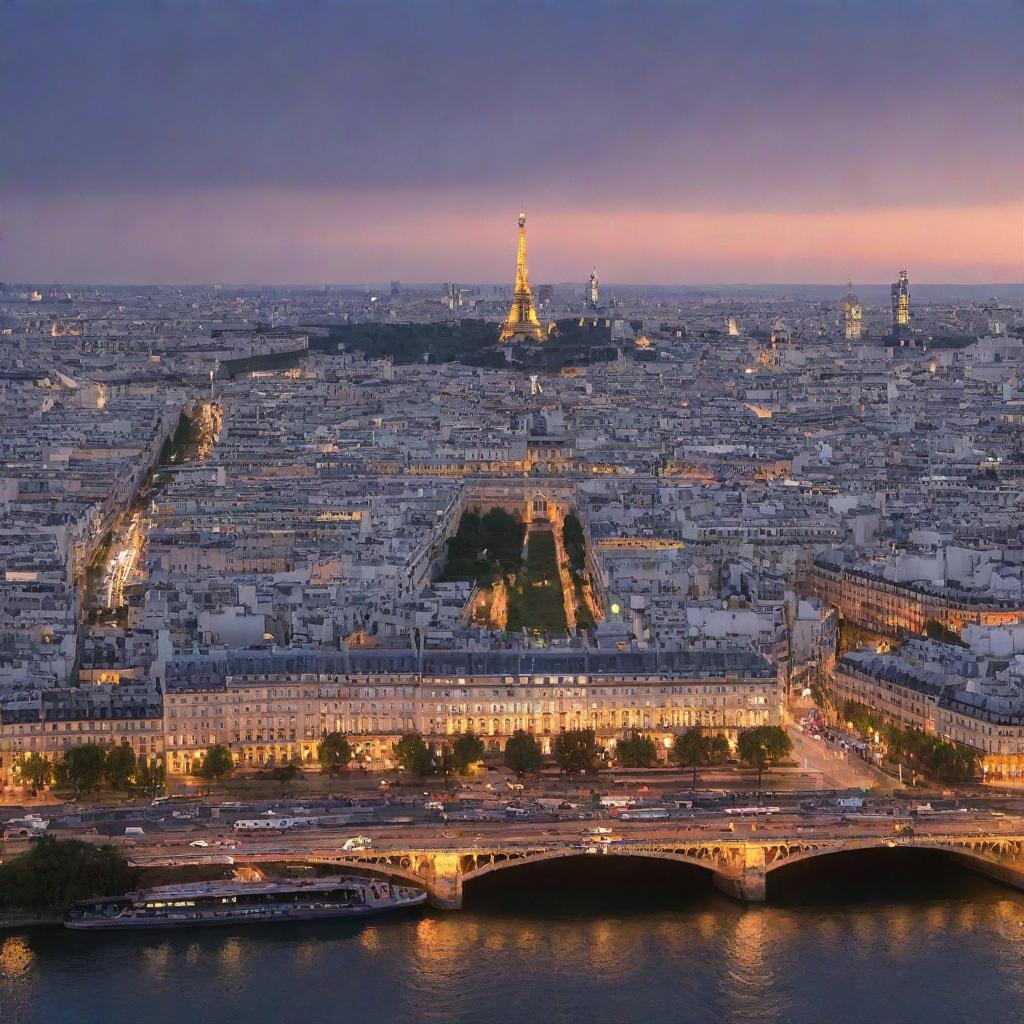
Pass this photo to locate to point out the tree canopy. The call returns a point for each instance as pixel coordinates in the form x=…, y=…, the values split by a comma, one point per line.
x=576, y=751
x=763, y=744
x=217, y=762
x=522, y=753
x=52, y=874
x=36, y=770
x=414, y=755
x=83, y=767
x=636, y=752
x=119, y=767
x=694, y=749
x=333, y=753
x=467, y=749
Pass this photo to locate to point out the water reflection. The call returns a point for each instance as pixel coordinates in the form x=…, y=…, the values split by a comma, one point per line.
x=15, y=958
x=655, y=956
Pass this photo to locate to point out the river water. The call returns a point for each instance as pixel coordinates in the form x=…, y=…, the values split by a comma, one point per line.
x=905, y=943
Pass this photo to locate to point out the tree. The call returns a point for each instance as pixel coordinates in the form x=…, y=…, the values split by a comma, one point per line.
x=522, y=753
x=285, y=773
x=502, y=533
x=692, y=749
x=574, y=542
x=636, y=752
x=762, y=744
x=52, y=874
x=83, y=767
x=217, y=763
x=36, y=770
x=576, y=751
x=334, y=753
x=149, y=775
x=466, y=750
x=413, y=754
x=935, y=630
x=119, y=767
x=720, y=749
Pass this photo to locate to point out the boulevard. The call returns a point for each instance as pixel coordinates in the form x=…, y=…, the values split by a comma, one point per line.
x=738, y=839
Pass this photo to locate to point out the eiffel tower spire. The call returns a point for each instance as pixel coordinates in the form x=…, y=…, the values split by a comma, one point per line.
x=522, y=324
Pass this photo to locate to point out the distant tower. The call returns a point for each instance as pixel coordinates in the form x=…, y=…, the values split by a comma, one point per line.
x=594, y=294
x=852, y=315
x=522, y=324
x=901, y=306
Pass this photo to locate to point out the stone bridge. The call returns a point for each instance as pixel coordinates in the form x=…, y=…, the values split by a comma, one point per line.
x=739, y=867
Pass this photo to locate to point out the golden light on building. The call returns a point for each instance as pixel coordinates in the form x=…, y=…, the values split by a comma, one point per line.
x=522, y=323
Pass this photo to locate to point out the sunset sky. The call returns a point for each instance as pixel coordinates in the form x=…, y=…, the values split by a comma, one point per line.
x=682, y=142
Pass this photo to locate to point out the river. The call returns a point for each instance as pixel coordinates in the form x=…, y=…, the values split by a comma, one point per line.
x=917, y=942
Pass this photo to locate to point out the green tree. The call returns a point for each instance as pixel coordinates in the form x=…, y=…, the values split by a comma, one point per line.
x=502, y=536
x=36, y=770
x=217, y=763
x=522, y=753
x=692, y=749
x=283, y=774
x=636, y=752
x=334, y=753
x=83, y=767
x=413, y=755
x=763, y=744
x=149, y=775
x=720, y=749
x=53, y=874
x=574, y=542
x=119, y=767
x=467, y=749
x=576, y=751
x=935, y=630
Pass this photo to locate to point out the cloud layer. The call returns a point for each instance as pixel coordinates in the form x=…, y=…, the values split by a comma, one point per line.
x=332, y=141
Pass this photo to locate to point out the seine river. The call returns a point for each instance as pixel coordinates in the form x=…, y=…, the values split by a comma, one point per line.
x=589, y=943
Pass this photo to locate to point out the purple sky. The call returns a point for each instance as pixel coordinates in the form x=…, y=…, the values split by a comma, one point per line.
x=258, y=141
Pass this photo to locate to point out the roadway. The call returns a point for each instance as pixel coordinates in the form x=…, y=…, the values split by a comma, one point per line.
x=295, y=844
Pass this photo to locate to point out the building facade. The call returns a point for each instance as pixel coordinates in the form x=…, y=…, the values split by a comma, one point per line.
x=272, y=708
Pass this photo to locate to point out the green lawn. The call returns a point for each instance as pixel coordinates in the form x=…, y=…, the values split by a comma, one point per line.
x=535, y=600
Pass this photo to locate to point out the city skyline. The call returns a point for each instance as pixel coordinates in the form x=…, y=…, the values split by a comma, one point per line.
x=697, y=144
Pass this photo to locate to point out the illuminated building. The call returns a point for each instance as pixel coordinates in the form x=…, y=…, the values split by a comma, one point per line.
x=271, y=708
x=852, y=315
x=866, y=598
x=943, y=691
x=901, y=305
x=593, y=293
x=522, y=324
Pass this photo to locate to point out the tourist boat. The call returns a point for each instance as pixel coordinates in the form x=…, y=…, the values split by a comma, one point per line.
x=237, y=902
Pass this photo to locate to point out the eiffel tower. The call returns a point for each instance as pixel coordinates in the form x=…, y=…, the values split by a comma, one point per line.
x=522, y=324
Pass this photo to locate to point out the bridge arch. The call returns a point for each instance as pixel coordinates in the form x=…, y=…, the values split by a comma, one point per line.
x=998, y=858
x=479, y=866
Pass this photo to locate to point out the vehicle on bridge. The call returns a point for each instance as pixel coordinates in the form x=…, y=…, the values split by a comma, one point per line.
x=357, y=843
x=272, y=824
x=644, y=814
x=617, y=801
